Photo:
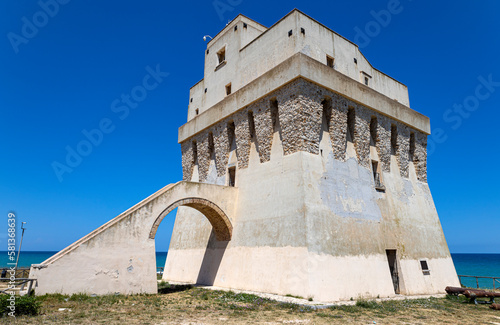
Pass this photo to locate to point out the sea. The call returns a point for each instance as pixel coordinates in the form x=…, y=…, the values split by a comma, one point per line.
x=466, y=264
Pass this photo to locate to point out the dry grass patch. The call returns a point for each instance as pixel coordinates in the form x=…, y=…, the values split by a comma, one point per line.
x=188, y=305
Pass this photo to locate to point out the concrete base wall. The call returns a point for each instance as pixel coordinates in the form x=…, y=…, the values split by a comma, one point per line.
x=314, y=226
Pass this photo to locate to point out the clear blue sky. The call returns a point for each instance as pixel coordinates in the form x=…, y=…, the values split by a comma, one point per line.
x=68, y=72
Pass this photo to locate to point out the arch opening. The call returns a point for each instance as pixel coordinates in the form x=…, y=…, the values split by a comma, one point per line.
x=222, y=227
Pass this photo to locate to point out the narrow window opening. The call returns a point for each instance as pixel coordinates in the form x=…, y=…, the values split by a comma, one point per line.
x=379, y=186
x=230, y=132
x=355, y=60
x=231, y=171
x=251, y=125
x=228, y=89
x=211, y=147
x=425, y=267
x=367, y=81
x=290, y=32
x=191, y=100
x=325, y=118
x=245, y=25
x=274, y=114
x=195, y=152
x=373, y=131
x=303, y=31
x=330, y=61
x=394, y=139
x=208, y=51
x=236, y=28
x=327, y=112
x=206, y=89
x=412, y=146
x=197, y=111
x=351, y=121
x=221, y=55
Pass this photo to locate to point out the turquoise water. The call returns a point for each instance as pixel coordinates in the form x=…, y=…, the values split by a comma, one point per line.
x=480, y=265
x=28, y=258
x=465, y=264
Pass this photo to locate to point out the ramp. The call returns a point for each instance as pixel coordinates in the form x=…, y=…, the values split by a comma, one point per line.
x=120, y=255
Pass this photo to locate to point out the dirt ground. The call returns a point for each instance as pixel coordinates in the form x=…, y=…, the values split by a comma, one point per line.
x=186, y=305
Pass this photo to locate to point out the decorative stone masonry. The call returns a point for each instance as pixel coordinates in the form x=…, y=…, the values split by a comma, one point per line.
x=243, y=138
x=403, y=149
x=203, y=155
x=223, y=229
x=362, y=135
x=299, y=119
x=384, y=142
x=338, y=127
x=420, y=156
x=222, y=147
x=300, y=114
x=263, y=128
x=187, y=160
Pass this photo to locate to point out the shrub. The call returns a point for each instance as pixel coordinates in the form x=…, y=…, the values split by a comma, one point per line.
x=369, y=304
x=25, y=305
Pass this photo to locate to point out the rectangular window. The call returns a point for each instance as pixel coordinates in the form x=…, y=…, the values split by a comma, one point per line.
x=373, y=131
x=412, y=147
x=274, y=114
x=231, y=171
x=367, y=81
x=221, y=55
x=197, y=111
x=394, y=140
x=379, y=186
x=351, y=124
x=425, y=267
x=330, y=61
x=228, y=89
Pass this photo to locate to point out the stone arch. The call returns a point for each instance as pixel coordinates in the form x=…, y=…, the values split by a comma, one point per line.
x=223, y=228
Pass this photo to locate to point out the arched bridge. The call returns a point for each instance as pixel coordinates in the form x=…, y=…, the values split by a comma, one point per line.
x=119, y=256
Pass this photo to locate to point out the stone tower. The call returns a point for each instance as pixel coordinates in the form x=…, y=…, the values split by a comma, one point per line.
x=330, y=164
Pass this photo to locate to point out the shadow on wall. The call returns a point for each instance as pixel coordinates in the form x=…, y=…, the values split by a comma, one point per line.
x=211, y=260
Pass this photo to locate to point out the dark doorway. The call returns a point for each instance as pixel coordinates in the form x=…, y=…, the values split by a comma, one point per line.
x=393, y=267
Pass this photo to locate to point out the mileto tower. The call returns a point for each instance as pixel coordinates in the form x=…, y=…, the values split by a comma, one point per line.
x=305, y=173
x=330, y=164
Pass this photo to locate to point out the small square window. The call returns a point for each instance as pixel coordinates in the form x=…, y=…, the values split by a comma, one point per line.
x=330, y=61
x=228, y=89
x=221, y=55
x=425, y=267
x=245, y=25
